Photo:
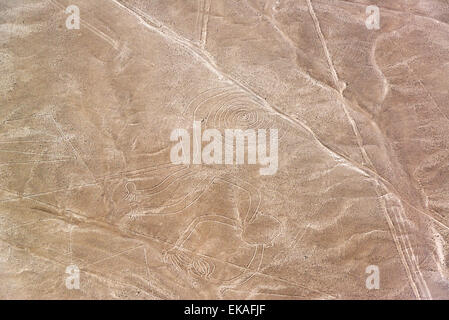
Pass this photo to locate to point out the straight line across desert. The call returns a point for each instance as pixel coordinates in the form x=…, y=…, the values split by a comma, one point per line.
x=224, y=149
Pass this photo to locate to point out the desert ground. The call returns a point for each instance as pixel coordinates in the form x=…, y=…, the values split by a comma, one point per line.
x=93, y=207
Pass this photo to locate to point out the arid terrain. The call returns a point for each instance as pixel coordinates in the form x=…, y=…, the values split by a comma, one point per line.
x=93, y=207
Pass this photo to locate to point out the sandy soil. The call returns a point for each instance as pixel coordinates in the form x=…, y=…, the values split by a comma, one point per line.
x=86, y=177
